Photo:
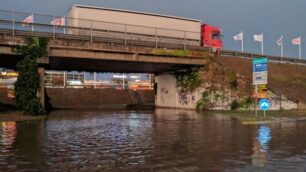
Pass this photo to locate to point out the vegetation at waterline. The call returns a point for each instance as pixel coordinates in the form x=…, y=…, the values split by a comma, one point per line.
x=204, y=102
x=249, y=117
x=28, y=80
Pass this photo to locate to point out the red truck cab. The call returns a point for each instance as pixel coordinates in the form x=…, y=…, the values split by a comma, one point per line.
x=211, y=36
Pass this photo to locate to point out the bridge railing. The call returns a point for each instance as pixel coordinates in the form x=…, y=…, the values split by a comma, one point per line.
x=98, y=30
x=272, y=58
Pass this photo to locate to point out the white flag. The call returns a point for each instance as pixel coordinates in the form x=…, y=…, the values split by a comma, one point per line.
x=58, y=21
x=280, y=41
x=29, y=19
x=238, y=37
x=296, y=41
x=258, y=38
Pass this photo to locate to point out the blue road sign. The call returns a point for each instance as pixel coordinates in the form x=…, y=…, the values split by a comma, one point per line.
x=260, y=60
x=263, y=69
x=264, y=104
x=260, y=67
x=260, y=71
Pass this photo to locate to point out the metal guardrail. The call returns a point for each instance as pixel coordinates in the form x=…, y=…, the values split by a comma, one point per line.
x=11, y=23
x=42, y=23
x=150, y=44
x=270, y=57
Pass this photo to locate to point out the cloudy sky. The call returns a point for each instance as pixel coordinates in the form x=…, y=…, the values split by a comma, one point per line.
x=272, y=17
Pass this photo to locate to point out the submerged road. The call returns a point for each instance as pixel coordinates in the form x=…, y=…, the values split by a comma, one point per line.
x=160, y=140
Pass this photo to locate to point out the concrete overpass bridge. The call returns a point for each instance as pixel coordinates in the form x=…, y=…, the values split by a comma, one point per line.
x=68, y=52
x=75, y=54
x=104, y=51
x=91, y=49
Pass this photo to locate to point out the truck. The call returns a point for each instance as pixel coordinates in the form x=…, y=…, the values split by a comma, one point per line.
x=139, y=26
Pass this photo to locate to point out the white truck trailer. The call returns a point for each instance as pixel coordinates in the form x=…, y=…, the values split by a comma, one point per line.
x=132, y=25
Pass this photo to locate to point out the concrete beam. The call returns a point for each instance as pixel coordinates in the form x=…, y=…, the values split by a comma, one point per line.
x=84, y=56
x=123, y=56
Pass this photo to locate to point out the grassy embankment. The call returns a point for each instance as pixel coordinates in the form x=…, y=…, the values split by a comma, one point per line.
x=249, y=117
x=286, y=79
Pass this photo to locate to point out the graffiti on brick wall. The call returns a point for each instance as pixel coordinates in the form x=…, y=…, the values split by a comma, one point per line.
x=185, y=98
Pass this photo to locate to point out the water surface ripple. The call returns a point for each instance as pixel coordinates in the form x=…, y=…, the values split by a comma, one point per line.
x=161, y=140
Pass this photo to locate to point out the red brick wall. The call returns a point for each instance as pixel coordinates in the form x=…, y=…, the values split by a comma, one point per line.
x=86, y=98
x=93, y=98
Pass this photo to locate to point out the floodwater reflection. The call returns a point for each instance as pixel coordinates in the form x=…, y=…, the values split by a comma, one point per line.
x=160, y=140
x=261, y=146
x=8, y=133
x=264, y=137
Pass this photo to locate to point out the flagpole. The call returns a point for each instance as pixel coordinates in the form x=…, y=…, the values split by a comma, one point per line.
x=300, y=49
x=13, y=14
x=282, y=48
x=54, y=27
x=64, y=24
x=33, y=22
x=242, y=42
x=262, y=44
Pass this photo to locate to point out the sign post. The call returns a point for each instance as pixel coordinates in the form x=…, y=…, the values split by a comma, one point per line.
x=264, y=105
x=256, y=92
x=260, y=79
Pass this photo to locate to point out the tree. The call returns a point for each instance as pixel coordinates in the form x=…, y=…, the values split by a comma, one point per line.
x=27, y=83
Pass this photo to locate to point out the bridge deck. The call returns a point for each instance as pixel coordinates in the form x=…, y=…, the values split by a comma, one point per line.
x=71, y=54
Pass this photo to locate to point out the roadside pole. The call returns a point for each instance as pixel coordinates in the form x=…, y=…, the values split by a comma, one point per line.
x=256, y=92
x=260, y=79
x=123, y=83
x=264, y=114
x=95, y=80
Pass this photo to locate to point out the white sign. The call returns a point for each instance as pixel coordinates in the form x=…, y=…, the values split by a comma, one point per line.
x=260, y=78
x=119, y=76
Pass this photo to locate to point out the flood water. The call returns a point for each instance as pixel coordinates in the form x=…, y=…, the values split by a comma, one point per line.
x=160, y=140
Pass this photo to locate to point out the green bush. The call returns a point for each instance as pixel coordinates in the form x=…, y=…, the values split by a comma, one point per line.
x=34, y=107
x=188, y=80
x=204, y=102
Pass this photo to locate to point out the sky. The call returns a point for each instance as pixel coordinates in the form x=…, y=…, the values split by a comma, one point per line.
x=271, y=17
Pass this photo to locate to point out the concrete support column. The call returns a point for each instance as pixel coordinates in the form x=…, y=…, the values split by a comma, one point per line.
x=41, y=91
x=167, y=95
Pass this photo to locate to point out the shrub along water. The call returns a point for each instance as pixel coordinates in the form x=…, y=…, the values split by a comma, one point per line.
x=28, y=81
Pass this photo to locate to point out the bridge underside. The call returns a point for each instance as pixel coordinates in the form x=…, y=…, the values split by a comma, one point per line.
x=68, y=55
x=97, y=65
x=82, y=64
